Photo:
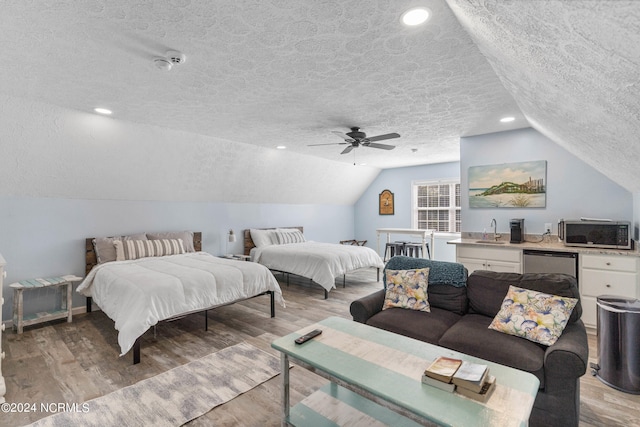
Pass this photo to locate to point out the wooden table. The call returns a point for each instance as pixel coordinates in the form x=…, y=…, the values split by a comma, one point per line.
x=410, y=231
x=66, y=305
x=376, y=377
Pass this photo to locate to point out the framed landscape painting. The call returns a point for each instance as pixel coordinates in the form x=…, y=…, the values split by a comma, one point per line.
x=508, y=185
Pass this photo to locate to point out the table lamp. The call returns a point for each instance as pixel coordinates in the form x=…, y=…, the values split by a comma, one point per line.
x=231, y=238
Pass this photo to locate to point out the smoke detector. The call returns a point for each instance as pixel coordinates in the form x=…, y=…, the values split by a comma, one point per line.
x=165, y=63
x=176, y=57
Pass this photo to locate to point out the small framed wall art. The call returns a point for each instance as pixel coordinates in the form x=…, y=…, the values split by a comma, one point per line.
x=386, y=203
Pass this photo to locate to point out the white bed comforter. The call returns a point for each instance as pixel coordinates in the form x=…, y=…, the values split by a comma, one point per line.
x=137, y=294
x=321, y=262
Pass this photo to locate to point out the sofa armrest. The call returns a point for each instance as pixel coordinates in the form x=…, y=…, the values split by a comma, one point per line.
x=569, y=356
x=362, y=309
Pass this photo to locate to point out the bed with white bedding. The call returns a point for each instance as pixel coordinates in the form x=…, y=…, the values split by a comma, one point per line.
x=286, y=250
x=138, y=293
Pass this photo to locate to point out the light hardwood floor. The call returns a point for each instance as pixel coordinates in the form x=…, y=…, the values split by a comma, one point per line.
x=73, y=362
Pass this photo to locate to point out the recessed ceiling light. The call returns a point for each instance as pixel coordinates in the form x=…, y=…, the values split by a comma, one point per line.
x=416, y=16
x=507, y=119
x=102, y=111
x=281, y=147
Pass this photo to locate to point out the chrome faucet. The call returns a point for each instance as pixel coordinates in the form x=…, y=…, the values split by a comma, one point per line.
x=494, y=224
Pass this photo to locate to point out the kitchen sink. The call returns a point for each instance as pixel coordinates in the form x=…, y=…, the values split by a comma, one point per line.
x=491, y=242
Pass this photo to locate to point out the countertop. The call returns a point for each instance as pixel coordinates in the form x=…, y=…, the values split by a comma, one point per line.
x=551, y=244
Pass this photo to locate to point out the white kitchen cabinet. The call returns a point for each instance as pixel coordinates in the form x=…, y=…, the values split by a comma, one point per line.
x=605, y=275
x=3, y=388
x=481, y=257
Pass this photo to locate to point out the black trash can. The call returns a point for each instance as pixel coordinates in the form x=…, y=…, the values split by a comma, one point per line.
x=619, y=343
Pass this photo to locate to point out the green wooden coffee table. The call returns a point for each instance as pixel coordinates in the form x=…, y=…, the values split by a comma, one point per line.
x=376, y=380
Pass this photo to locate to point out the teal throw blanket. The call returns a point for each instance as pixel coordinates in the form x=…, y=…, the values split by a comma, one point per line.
x=440, y=272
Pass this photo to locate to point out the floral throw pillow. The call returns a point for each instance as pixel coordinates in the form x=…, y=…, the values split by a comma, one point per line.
x=533, y=315
x=407, y=289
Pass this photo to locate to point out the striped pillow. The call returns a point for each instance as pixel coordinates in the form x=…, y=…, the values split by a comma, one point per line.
x=134, y=249
x=290, y=236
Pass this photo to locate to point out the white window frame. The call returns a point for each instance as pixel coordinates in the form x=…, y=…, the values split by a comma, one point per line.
x=452, y=208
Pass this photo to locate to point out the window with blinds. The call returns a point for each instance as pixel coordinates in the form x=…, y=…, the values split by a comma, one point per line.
x=436, y=206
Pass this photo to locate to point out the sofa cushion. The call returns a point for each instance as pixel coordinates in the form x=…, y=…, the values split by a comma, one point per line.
x=487, y=289
x=447, y=281
x=533, y=315
x=421, y=325
x=407, y=289
x=471, y=335
x=448, y=298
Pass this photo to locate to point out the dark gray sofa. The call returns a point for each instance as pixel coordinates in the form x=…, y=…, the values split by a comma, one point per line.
x=459, y=320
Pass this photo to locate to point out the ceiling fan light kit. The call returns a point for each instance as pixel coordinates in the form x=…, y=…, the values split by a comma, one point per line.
x=356, y=138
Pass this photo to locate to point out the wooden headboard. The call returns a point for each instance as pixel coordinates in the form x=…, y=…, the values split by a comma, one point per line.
x=248, y=242
x=91, y=259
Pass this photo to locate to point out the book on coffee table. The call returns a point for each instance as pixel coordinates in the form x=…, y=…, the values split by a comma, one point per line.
x=485, y=391
x=443, y=368
x=471, y=376
x=450, y=387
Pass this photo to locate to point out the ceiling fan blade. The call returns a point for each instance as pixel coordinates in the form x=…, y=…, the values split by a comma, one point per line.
x=385, y=136
x=331, y=143
x=382, y=146
x=343, y=136
x=347, y=150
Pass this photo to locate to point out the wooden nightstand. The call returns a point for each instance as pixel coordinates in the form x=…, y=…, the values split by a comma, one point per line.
x=237, y=257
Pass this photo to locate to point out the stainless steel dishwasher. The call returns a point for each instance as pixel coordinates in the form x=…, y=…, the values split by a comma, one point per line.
x=538, y=261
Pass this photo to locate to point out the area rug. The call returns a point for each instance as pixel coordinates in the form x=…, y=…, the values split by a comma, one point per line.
x=176, y=396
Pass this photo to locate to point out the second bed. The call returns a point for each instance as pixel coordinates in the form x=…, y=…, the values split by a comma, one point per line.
x=287, y=250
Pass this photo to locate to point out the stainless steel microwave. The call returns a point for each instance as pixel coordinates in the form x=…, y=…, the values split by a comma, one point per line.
x=596, y=233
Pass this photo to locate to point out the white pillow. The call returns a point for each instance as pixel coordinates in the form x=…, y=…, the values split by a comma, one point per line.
x=106, y=251
x=289, y=235
x=134, y=249
x=263, y=237
x=185, y=236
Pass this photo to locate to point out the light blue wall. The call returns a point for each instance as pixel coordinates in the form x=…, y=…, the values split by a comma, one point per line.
x=636, y=216
x=574, y=189
x=398, y=180
x=46, y=237
x=42, y=237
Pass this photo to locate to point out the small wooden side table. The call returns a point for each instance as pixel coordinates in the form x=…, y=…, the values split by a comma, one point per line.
x=19, y=321
x=236, y=257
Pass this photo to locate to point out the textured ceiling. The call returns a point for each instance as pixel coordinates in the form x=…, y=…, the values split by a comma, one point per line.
x=263, y=72
x=271, y=72
x=574, y=69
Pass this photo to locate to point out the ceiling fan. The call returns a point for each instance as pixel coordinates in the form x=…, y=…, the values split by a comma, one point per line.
x=356, y=138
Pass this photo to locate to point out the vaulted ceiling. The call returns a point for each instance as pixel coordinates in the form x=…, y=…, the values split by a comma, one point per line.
x=287, y=72
x=573, y=68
